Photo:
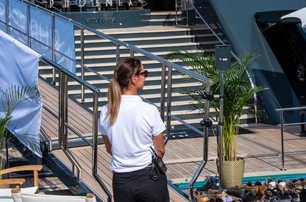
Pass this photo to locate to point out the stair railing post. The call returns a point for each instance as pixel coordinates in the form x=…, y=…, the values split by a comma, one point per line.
x=282, y=139
x=187, y=12
x=168, y=110
x=220, y=136
x=28, y=25
x=132, y=53
x=53, y=46
x=82, y=63
x=95, y=118
x=7, y=18
x=63, y=100
x=176, y=11
x=117, y=53
x=163, y=90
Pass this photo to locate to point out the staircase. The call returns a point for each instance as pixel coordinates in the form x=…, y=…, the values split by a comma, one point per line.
x=160, y=38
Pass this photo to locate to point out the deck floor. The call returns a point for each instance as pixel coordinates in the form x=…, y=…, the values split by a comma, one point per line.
x=261, y=148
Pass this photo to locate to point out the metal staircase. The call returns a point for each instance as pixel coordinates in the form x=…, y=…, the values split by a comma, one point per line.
x=100, y=57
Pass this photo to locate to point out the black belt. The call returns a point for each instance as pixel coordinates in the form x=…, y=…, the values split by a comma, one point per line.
x=143, y=170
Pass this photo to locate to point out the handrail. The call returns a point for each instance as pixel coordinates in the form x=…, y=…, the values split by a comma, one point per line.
x=282, y=124
x=71, y=75
x=203, y=163
x=94, y=144
x=130, y=47
x=166, y=80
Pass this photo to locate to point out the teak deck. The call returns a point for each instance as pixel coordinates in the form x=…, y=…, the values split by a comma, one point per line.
x=261, y=149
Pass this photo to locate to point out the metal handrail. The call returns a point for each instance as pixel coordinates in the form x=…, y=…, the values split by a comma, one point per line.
x=167, y=66
x=282, y=124
x=205, y=150
x=94, y=144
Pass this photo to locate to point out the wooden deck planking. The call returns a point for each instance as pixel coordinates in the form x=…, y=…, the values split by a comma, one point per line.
x=261, y=149
x=261, y=156
x=83, y=156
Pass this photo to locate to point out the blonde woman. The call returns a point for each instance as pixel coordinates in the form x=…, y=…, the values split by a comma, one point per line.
x=129, y=127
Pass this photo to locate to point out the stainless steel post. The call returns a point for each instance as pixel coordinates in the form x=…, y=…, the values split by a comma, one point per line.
x=117, y=53
x=82, y=63
x=7, y=17
x=63, y=112
x=95, y=119
x=187, y=13
x=163, y=90
x=61, y=109
x=221, y=122
x=176, y=11
x=64, y=109
x=282, y=139
x=53, y=47
x=28, y=25
x=206, y=129
x=132, y=53
x=169, y=95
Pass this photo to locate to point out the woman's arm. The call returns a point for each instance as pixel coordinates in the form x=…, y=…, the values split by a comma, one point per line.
x=159, y=145
x=107, y=143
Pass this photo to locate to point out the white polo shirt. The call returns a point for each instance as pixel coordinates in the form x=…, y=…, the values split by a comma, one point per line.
x=131, y=134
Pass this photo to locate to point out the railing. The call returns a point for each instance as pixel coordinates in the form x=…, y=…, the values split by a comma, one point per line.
x=187, y=5
x=165, y=98
x=283, y=124
x=64, y=125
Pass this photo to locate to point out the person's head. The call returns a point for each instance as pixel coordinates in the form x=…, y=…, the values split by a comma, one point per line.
x=129, y=77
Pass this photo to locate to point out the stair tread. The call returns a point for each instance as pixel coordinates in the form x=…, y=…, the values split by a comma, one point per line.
x=160, y=53
x=141, y=46
x=151, y=38
x=142, y=29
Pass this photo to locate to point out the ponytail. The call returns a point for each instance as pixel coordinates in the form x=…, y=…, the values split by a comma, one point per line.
x=114, y=99
x=123, y=72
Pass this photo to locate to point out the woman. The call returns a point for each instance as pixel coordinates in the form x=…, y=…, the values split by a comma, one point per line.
x=130, y=127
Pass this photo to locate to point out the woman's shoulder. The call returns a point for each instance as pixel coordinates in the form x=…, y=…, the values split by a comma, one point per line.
x=149, y=106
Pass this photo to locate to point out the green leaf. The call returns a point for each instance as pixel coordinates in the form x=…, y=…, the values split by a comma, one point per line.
x=237, y=92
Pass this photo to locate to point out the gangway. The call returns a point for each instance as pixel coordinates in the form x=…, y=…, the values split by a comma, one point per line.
x=61, y=110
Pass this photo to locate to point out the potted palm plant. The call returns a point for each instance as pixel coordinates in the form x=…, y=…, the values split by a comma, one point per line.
x=237, y=93
x=9, y=99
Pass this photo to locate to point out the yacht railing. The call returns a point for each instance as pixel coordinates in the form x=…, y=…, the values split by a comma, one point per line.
x=166, y=85
x=283, y=124
x=64, y=125
x=189, y=5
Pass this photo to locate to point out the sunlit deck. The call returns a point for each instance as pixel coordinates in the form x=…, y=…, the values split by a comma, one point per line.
x=260, y=146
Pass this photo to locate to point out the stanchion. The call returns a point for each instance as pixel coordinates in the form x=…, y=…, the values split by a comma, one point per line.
x=223, y=60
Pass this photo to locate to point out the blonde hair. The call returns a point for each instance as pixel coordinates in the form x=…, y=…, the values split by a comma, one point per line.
x=123, y=72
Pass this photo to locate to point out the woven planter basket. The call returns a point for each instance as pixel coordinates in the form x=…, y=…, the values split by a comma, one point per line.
x=232, y=173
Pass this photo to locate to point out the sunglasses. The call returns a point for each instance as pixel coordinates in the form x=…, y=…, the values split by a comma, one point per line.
x=145, y=73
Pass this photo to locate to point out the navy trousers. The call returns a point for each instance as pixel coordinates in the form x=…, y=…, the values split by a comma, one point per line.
x=145, y=185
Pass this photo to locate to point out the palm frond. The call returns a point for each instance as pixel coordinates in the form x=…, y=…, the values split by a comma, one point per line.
x=11, y=97
x=16, y=94
x=237, y=91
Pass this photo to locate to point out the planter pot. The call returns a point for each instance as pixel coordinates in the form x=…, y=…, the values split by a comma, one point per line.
x=232, y=173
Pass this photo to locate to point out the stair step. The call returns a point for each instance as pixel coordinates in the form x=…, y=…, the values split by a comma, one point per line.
x=141, y=46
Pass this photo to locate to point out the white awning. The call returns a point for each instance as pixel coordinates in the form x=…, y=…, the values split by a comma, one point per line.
x=298, y=16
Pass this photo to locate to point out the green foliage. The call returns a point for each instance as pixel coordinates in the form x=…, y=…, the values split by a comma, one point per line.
x=237, y=93
x=10, y=98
